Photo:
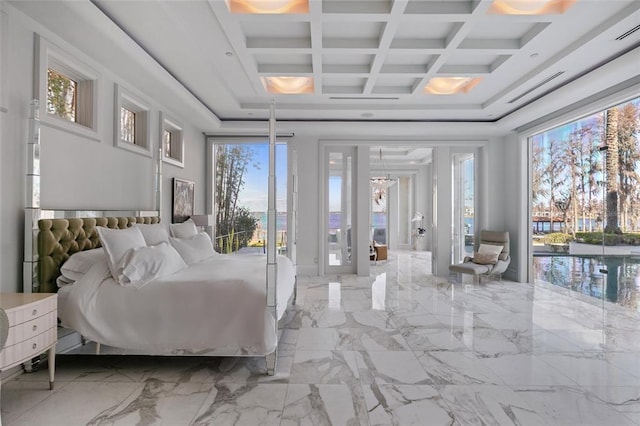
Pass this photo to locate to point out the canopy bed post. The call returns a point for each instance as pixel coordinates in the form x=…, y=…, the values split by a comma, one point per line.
x=158, y=183
x=32, y=201
x=272, y=267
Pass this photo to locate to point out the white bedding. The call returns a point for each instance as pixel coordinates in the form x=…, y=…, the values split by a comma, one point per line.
x=218, y=304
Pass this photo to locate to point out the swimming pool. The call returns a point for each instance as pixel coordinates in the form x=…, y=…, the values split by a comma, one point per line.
x=582, y=274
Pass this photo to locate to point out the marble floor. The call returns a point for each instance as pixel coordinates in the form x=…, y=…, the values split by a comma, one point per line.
x=400, y=347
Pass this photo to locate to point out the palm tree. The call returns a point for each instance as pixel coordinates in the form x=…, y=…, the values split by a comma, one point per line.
x=629, y=156
x=612, y=170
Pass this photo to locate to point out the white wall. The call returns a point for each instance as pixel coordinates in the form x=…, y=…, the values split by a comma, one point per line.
x=76, y=172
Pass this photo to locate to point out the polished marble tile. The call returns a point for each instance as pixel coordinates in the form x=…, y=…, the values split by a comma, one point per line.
x=242, y=404
x=490, y=405
x=399, y=347
x=456, y=368
x=571, y=405
x=406, y=405
x=324, y=404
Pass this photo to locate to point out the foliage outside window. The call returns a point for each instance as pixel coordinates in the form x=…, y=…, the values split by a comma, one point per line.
x=586, y=174
x=171, y=140
x=235, y=224
x=166, y=142
x=61, y=95
x=128, y=125
x=131, y=122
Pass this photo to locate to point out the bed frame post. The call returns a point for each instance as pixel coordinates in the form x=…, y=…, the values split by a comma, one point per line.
x=272, y=266
x=32, y=202
x=158, y=183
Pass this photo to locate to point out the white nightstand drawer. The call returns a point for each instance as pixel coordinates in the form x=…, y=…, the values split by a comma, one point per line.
x=32, y=310
x=22, y=351
x=32, y=328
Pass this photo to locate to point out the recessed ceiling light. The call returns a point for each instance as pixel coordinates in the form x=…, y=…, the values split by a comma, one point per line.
x=288, y=85
x=268, y=6
x=366, y=114
x=228, y=53
x=534, y=55
x=450, y=85
x=530, y=7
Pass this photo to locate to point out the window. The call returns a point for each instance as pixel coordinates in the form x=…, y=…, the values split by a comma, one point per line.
x=69, y=88
x=132, y=130
x=240, y=193
x=172, y=142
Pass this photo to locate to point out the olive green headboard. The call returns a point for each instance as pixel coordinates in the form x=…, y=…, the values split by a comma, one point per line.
x=60, y=238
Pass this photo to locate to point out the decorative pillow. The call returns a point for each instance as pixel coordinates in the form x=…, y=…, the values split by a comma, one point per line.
x=490, y=249
x=485, y=258
x=185, y=229
x=143, y=264
x=116, y=244
x=153, y=234
x=79, y=263
x=194, y=249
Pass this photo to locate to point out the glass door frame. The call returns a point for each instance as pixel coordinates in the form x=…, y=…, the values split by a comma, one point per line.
x=458, y=179
x=324, y=264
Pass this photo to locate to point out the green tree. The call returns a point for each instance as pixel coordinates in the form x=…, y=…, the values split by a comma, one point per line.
x=628, y=158
x=612, y=170
x=231, y=219
x=553, y=176
x=61, y=95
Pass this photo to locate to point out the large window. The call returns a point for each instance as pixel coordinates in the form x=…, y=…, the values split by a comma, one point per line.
x=241, y=197
x=586, y=204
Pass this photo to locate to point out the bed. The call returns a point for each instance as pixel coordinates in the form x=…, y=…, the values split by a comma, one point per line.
x=218, y=305
x=214, y=306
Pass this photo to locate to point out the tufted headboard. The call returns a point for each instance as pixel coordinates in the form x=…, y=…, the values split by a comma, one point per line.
x=59, y=238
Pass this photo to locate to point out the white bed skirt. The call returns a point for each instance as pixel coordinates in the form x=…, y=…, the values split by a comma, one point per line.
x=213, y=307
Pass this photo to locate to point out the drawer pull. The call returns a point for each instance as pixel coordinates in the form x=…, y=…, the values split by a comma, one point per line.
x=35, y=345
x=34, y=312
x=35, y=327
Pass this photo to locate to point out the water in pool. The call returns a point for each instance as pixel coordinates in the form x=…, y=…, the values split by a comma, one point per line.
x=582, y=274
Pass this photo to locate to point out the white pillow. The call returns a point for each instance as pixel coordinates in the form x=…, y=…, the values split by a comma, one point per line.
x=490, y=249
x=185, y=229
x=61, y=281
x=194, y=249
x=153, y=234
x=116, y=244
x=144, y=264
x=79, y=263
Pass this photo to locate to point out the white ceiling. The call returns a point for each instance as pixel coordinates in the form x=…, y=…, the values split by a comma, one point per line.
x=370, y=60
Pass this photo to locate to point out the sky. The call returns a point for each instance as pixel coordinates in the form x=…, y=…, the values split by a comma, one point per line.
x=255, y=193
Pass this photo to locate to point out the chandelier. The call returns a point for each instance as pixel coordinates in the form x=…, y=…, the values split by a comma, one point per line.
x=380, y=184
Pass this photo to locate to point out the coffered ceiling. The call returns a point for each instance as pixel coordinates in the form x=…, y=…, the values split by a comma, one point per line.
x=374, y=60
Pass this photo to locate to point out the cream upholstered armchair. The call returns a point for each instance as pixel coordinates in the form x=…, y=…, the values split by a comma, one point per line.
x=491, y=258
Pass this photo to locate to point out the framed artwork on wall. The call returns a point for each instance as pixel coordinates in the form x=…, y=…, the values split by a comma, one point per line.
x=183, y=200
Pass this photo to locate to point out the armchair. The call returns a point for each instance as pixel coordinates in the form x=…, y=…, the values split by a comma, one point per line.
x=481, y=264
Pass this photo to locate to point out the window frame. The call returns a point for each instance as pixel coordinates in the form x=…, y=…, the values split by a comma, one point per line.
x=170, y=124
x=124, y=98
x=51, y=56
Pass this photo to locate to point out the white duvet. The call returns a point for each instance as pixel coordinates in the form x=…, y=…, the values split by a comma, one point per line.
x=218, y=304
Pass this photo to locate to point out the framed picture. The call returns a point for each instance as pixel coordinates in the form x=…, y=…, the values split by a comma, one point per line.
x=183, y=200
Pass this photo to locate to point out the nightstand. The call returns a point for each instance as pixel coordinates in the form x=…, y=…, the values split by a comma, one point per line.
x=32, y=328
